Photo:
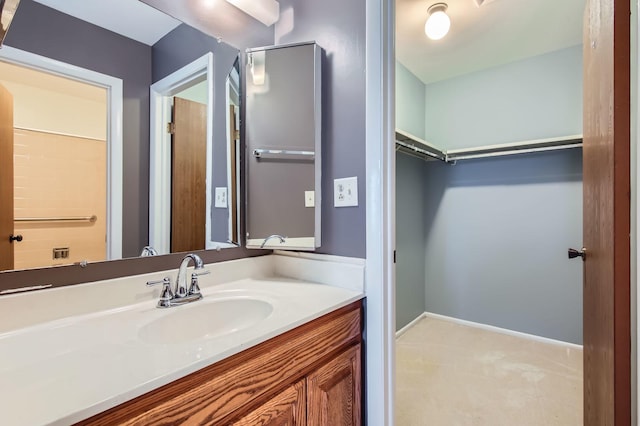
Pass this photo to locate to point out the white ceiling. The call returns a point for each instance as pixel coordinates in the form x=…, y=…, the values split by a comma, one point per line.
x=499, y=32
x=130, y=18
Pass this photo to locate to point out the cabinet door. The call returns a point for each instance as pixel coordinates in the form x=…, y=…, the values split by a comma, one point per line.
x=288, y=408
x=334, y=391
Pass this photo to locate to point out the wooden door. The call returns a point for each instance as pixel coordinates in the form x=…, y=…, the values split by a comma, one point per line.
x=288, y=408
x=188, y=176
x=6, y=179
x=606, y=163
x=334, y=391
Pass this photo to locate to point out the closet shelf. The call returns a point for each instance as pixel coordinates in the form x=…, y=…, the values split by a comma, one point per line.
x=413, y=145
x=538, y=145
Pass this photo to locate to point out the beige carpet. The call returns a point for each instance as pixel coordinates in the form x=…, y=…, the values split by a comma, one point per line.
x=449, y=374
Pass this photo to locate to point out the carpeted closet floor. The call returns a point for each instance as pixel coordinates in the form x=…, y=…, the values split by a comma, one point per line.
x=448, y=374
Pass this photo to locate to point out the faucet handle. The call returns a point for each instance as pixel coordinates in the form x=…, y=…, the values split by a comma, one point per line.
x=195, y=288
x=167, y=295
x=198, y=272
x=164, y=281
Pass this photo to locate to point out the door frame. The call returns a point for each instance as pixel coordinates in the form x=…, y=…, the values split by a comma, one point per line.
x=635, y=212
x=113, y=86
x=161, y=93
x=380, y=213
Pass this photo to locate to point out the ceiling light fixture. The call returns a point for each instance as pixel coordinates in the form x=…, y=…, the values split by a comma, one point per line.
x=265, y=11
x=438, y=22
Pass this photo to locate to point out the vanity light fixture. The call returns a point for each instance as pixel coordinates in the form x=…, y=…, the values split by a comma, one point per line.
x=265, y=11
x=438, y=22
x=7, y=11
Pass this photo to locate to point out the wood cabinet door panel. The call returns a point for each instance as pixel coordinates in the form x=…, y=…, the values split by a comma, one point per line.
x=334, y=391
x=288, y=408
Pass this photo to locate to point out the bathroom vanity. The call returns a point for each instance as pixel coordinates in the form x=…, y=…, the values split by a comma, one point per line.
x=309, y=375
x=274, y=338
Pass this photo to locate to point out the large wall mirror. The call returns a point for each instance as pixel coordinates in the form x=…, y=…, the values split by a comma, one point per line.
x=125, y=135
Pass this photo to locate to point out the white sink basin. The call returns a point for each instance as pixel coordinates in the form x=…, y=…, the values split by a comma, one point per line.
x=205, y=319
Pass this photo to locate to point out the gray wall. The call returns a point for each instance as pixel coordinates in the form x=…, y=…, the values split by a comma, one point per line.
x=497, y=233
x=47, y=32
x=410, y=238
x=180, y=47
x=410, y=102
x=339, y=28
x=536, y=98
x=410, y=202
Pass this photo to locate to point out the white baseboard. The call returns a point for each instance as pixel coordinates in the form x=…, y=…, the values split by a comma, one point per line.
x=497, y=330
x=488, y=328
x=411, y=324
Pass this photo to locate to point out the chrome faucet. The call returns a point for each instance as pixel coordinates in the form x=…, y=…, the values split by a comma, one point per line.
x=280, y=237
x=181, y=279
x=148, y=251
x=182, y=294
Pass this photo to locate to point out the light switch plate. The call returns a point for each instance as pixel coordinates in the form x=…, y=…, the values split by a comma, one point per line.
x=345, y=192
x=221, y=197
x=309, y=198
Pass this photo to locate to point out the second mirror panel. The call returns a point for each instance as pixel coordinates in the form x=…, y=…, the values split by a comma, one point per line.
x=283, y=136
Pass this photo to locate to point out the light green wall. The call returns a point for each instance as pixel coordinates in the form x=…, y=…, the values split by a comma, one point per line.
x=536, y=98
x=410, y=99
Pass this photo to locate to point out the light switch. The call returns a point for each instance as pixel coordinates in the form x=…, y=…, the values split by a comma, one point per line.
x=309, y=198
x=221, y=197
x=345, y=192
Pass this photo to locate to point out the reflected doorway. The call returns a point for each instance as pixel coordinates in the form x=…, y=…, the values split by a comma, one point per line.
x=59, y=178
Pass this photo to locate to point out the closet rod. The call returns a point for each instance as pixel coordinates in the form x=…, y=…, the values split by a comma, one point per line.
x=526, y=147
x=413, y=150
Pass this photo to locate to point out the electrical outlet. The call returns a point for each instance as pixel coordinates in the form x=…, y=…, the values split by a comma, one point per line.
x=221, y=197
x=309, y=198
x=345, y=192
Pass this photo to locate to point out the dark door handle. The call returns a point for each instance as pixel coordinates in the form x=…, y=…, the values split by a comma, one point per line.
x=573, y=253
x=13, y=238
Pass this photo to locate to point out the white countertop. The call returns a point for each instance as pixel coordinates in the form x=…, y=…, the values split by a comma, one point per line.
x=68, y=369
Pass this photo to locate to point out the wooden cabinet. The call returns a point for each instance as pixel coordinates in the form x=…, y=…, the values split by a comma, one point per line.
x=334, y=391
x=288, y=408
x=308, y=376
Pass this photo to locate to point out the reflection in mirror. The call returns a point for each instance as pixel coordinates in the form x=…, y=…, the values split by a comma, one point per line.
x=180, y=147
x=131, y=57
x=193, y=186
x=7, y=11
x=233, y=161
x=56, y=163
x=283, y=134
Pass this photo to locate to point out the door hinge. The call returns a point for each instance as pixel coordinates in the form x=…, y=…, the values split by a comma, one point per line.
x=171, y=128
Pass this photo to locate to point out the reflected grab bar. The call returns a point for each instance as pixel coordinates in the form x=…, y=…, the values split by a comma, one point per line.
x=282, y=153
x=91, y=219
